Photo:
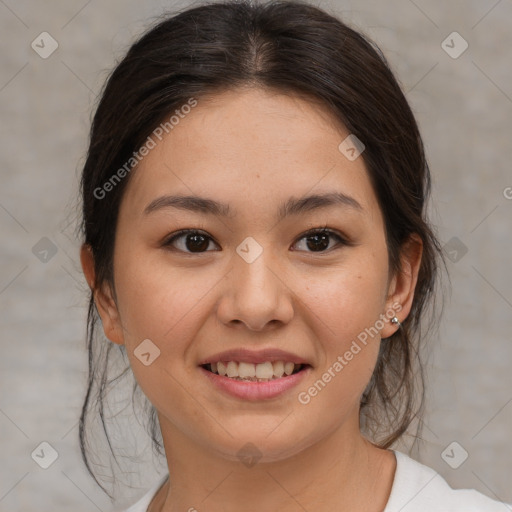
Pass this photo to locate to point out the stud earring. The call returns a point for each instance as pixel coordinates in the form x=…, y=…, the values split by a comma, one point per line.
x=394, y=320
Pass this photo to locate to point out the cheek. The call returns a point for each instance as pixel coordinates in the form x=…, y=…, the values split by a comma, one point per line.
x=169, y=305
x=161, y=304
x=348, y=299
x=158, y=301
x=344, y=311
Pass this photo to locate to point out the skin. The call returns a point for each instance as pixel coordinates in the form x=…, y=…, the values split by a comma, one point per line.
x=254, y=149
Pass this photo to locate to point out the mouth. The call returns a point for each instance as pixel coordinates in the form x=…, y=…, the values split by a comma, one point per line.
x=250, y=372
x=255, y=381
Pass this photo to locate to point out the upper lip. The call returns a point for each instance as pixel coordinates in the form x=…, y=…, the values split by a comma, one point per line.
x=243, y=355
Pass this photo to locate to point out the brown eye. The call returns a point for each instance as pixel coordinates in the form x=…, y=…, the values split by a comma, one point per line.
x=318, y=240
x=196, y=242
x=189, y=241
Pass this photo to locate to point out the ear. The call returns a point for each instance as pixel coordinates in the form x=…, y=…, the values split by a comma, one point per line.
x=403, y=284
x=103, y=298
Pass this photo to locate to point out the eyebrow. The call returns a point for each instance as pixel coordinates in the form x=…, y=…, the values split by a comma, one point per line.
x=292, y=206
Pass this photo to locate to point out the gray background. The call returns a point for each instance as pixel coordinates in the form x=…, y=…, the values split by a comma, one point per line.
x=464, y=107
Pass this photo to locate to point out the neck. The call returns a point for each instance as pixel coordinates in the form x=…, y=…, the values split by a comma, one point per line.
x=342, y=472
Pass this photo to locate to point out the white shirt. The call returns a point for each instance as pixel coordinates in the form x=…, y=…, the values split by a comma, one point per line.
x=416, y=488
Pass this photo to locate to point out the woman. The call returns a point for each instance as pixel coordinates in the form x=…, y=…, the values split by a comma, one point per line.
x=255, y=240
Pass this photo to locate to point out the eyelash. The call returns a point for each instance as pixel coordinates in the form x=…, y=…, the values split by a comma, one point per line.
x=311, y=232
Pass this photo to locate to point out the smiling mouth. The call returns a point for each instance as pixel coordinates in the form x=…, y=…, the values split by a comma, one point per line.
x=250, y=372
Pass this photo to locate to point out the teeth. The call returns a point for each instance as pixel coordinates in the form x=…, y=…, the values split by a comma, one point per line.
x=221, y=368
x=254, y=372
x=264, y=370
x=247, y=370
x=288, y=368
x=232, y=369
x=278, y=368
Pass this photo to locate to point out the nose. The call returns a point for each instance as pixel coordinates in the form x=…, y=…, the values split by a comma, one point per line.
x=256, y=294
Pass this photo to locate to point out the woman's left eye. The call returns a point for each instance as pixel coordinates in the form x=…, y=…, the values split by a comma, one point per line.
x=319, y=239
x=194, y=241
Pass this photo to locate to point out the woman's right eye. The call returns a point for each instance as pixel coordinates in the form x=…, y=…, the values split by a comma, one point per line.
x=190, y=240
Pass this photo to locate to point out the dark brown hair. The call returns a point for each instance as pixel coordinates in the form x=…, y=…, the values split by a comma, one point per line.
x=291, y=47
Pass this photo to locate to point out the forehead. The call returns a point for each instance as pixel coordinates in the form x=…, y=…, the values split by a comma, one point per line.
x=250, y=148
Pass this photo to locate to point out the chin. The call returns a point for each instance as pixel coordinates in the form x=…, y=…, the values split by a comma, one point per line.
x=251, y=446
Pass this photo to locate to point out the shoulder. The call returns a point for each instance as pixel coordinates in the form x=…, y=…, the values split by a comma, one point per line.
x=416, y=488
x=419, y=488
x=142, y=503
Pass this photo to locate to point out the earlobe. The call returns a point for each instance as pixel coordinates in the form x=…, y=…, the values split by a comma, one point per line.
x=105, y=303
x=403, y=285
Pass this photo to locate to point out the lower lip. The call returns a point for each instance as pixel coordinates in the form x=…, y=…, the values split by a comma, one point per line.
x=254, y=391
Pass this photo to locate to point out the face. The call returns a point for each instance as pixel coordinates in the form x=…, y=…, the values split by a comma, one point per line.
x=255, y=273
